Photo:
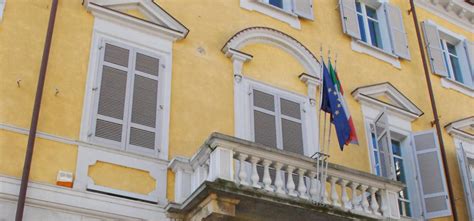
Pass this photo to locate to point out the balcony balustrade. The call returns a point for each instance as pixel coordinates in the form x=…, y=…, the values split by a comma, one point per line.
x=285, y=175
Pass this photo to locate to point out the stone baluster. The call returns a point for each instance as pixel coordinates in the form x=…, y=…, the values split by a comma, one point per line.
x=314, y=189
x=242, y=172
x=278, y=179
x=334, y=195
x=346, y=204
x=324, y=190
x=301, y=184
x=355, y=199
x=383, y=203
x=364, y=201
x=290, y=185
x=373, y=201
x=267, y=180
x=254, y=177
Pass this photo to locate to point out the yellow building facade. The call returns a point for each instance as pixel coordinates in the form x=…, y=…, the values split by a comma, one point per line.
x=199, y=110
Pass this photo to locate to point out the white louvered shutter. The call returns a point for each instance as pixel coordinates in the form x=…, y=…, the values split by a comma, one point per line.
x=382, y=133
x=398, y=35
x=433, y=47
x=291, y=126
x=350, y=23
x=143, y=114
x=469, y=47
x=264, y=118
x=109, y=121
x=303, y=8
x=463, y=162
x=432, y=180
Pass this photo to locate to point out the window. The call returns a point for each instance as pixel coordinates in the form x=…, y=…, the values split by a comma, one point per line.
x=387, y=158
x=450, y=56
x=2, y=7
x=127, y=101
x=277, y=121
x=451, y=60
x=369, y=25
x=376, y=28
x=289, y=11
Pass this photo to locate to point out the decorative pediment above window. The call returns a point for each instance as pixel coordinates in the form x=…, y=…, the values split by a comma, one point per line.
x=144, y=14
x=386, y=96
x=463, y=128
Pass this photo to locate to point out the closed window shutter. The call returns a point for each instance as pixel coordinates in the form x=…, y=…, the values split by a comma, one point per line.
x=264, y=118
x=469, y=47
x=433, y=46
x=350, y=24
x=431, y=179
x=463, y=162
x=398, y=35
x=144, y=102
x=292, y=131
x=303, y=8
x=113, y=84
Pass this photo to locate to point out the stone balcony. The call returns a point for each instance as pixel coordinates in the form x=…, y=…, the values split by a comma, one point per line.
x=234, y=179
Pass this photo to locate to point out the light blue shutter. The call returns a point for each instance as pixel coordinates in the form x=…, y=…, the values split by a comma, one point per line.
x=303, y=8
x=433, y=48
x=350, y=23
x=109, y=120
x=431, y=178
x=398, y=35
x=469, y=48
x=382, y=133
x=463, y=162
x=144, y=107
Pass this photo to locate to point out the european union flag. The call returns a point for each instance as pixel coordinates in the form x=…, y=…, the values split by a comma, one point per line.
x=332, y=104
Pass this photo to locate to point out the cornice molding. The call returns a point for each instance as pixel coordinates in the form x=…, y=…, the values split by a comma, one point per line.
x=456, y=128
x=404, y=108
x=159, y=21
x=457, y=12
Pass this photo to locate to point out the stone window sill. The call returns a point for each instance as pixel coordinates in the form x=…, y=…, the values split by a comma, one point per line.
x=452, y=84
x=272, y=11
x=378, y=53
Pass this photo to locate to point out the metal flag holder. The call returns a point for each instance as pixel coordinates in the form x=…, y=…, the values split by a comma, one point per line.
x=322, y=156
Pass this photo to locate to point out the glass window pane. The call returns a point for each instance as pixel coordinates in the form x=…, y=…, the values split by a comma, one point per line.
x=371, y=13
x=456, y=68
x=377, y=163
x=451, y=48
x=396, y=148
x=399, y=170
x=362, y=28
x=375, y=33
x=277, y=3
x=358, y=7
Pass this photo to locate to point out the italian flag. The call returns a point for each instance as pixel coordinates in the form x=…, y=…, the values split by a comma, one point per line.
x=353, y=136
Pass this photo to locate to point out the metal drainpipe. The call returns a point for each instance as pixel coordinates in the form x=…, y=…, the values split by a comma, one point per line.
x=36, y=110
x=435, y=111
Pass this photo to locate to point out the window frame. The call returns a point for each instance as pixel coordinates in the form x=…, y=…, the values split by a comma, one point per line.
x=147, y=43
x=402, y=133
x=277, y=95
x=127, y=123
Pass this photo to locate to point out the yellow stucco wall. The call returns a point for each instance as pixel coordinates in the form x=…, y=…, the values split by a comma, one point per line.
x=121, y=178
x=202, y=84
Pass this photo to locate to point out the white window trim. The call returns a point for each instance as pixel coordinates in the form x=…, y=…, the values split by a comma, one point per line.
x=462, y=88
x=448, y=82
x=104, y=29
x=399, y=126
x=272, y=11
x=384, y=54
x=362, y=47
x=2, y=8
x=56, y=198
x=88, y=156
x=459, y=144
x=244, y=111
x=448, y=12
